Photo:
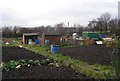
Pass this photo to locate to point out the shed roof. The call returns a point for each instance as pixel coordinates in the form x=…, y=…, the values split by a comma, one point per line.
x=90, y=32
x=53, y=33
x=28, y=34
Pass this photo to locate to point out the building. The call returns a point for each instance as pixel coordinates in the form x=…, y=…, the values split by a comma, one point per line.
x=91, y=35
x=53, y=37
x=29, y=36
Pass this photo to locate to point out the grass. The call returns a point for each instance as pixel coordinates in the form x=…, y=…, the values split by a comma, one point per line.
x=95, y=71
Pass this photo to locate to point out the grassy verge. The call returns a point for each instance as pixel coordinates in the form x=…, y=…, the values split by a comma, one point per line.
x=94, y=71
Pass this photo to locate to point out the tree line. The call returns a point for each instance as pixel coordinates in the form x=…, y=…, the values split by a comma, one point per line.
x=103, y=24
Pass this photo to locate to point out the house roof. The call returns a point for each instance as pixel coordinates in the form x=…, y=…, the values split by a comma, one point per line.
x=28, y=34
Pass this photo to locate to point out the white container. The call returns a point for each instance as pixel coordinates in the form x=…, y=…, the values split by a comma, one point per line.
x=30, y=41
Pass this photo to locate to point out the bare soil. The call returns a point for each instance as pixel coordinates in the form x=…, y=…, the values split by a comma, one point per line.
x=92, y=54
x=35, y=72
x=16, y=53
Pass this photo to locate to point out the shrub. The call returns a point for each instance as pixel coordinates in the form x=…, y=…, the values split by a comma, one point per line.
x=116, y=60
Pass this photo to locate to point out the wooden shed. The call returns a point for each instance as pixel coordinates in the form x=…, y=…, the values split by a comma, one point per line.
x=53, y=37
x=29, y=36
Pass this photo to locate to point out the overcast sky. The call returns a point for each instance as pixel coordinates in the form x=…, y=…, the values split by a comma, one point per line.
x=51, y=12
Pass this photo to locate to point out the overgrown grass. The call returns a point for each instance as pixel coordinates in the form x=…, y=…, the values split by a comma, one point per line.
x=95, y=71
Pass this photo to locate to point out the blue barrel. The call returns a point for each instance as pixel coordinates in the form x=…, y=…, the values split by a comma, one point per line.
x=36, y=41
x=103, y=36
x=54, y=48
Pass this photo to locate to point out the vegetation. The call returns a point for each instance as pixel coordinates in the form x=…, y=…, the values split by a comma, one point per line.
x=112, y=43
x=18, y=64
x=14, y=42
x=68, y=45
x=116, y=60
x=95, y=71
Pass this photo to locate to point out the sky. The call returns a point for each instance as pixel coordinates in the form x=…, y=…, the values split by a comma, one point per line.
x=31, y=13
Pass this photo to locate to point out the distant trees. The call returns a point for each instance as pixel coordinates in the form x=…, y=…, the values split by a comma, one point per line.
x=59, y=27
x=16, y=32
x=7, y=32
x=105, y=18
x=92, y=25
x=113, y=26
x=103, y=24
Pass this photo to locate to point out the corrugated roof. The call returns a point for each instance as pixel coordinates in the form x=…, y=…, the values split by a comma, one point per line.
x=27, y=34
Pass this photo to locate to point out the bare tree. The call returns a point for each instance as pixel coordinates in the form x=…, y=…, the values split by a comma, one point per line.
x=92, y=25
x=113, y=26
x=104, y=19
x=59, y=27
x=7, y=31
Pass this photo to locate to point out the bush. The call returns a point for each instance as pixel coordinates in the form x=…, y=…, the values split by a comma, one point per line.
x=116, y=60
